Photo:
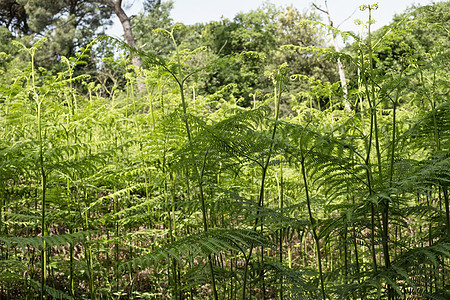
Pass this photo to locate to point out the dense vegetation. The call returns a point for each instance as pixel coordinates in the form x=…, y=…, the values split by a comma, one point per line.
x=231, y=165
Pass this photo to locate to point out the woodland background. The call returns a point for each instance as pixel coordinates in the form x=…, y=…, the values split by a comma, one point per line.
x=238, y=159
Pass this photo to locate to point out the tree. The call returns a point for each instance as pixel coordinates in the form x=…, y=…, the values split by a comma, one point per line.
x=157, y=15
x=68, y=25
x=116, y=7
x=14, y=16
x=253, y=43
x=244, y=44
x=339, y=63
x=6, y=48
x=424, y=31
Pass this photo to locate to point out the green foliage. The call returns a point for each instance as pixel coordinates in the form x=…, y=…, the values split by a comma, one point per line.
x=239, y=51
x=423, y=31
x=68, y=26
x=145, y=24
x=107, y=191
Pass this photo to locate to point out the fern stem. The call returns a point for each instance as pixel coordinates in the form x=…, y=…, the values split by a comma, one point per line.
x=43, y=177
x=374, y=115
x=313, y=226
x=116, y=242
x=437, y=141
x=205, y=224
x=384, y=202
x=345, y=236
x=180, y=81
x=372, y=112
x=372, y=206
x=71, y=250
x=280, y=206
x=150, y=97
x=277, y=97
x=447, y=210
x=88, y=248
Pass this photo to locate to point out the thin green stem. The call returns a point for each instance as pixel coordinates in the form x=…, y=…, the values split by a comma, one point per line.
x=313, y=223
x=180, y=81
x=373, y=131
x=277, y=97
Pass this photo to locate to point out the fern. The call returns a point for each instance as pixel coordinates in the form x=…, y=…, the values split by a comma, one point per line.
x=51, y=241
x=202, y=244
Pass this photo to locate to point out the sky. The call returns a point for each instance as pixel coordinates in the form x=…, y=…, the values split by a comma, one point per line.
x=343, y=12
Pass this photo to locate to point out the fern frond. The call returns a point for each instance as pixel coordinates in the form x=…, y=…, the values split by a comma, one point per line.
x=199, y=245
x=52, y=292
x=298, y=282
x=50, y=240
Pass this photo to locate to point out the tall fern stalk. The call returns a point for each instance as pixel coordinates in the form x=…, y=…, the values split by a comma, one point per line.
x=366, y=71
x=42, y=172
x=429, y=92
x=373, y=103
x=281, y=231
x=279, y=79
x=180, y=79
x=312, y=221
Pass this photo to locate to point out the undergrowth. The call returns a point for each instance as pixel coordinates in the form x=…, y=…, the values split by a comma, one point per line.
x=155, y=194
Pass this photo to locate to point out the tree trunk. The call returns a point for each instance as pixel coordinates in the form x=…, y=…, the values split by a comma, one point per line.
x=341, y=71
x=116, y=6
